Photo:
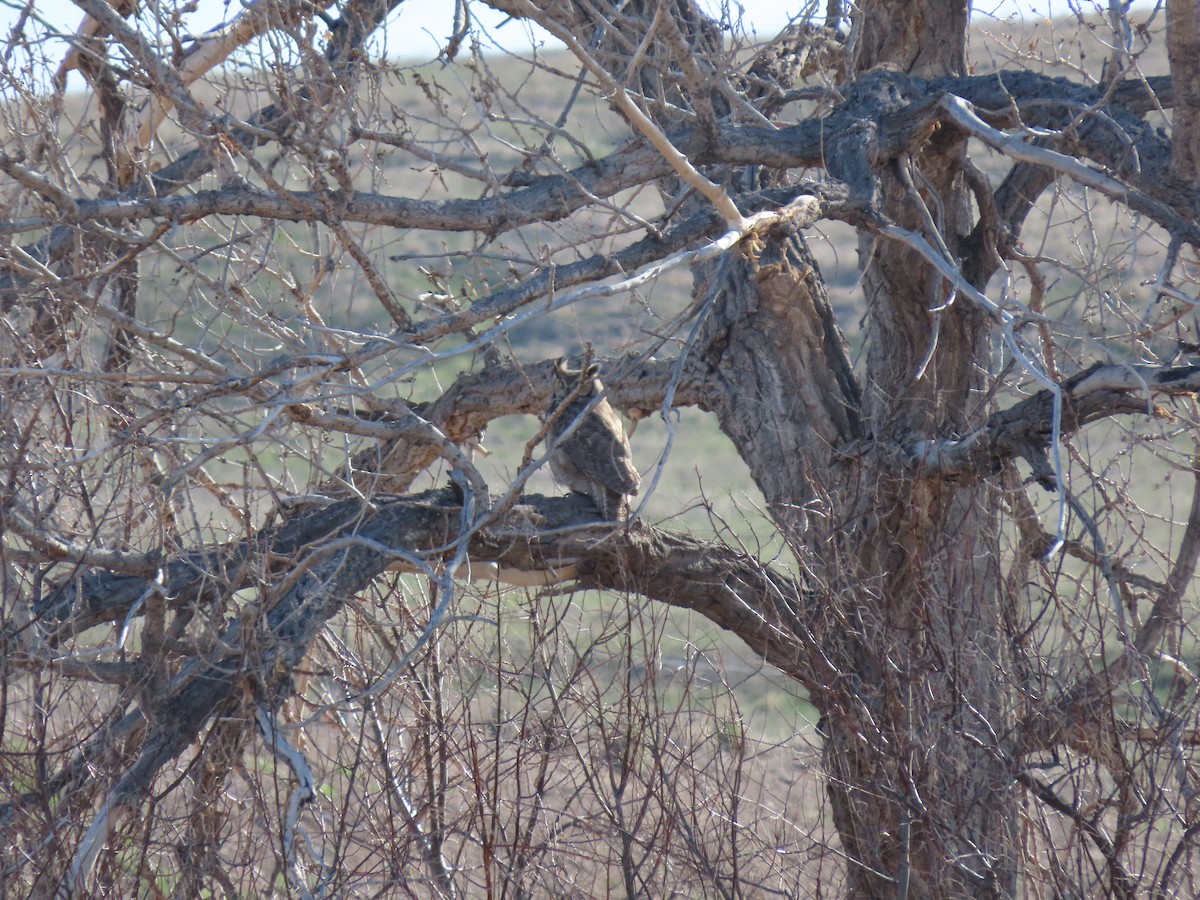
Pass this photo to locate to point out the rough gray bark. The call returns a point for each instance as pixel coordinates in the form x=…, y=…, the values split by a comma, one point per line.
x=1183, y=48
x=926, y=804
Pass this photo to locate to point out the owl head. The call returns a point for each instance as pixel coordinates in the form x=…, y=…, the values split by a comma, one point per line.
x=569, y=378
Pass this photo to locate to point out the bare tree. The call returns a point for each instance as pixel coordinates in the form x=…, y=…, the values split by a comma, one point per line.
x=273, y=622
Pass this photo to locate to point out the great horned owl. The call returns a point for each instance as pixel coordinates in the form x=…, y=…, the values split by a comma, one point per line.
x=594, y=459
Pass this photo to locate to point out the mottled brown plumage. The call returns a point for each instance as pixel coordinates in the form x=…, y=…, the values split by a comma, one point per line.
x=594, y=459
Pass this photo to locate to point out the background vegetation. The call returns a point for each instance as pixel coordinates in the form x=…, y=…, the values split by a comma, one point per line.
x=279, y=617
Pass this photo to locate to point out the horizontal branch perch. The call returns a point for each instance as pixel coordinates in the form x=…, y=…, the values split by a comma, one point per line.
x=341, y=549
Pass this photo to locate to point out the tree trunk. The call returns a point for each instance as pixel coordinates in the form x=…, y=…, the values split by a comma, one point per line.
x=915, y=703
x=906, y=572
x=922, y=794
x=1183, y=51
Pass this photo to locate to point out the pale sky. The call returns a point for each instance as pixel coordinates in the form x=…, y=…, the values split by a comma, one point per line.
x=419, y=27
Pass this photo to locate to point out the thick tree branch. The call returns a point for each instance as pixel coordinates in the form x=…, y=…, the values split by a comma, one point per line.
x=1024, y=429
x=523, y=539
x=885, y=114
x=348, y=546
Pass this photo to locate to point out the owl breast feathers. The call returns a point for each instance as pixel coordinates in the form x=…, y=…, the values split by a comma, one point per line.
x=594, y=459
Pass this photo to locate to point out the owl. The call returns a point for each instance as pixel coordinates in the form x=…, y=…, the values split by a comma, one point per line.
x=594, y=459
